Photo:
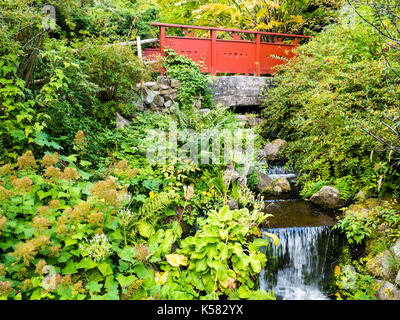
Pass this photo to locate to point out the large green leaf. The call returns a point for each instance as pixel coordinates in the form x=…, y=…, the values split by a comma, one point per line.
x=104, y=268
x=255, y=263
x=127, y=254
x=145, y=229
x=70, y=268
x=86, y=263
x=125, y=281
x=176, y=260
x=225, y=214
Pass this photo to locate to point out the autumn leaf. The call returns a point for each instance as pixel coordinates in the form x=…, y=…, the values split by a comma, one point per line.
x=273, y=237
x=176, y=260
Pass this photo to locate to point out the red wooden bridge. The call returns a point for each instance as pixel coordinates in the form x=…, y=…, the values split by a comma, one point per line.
x=228, y=51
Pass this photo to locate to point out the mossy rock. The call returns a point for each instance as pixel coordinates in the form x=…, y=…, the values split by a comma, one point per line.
x=366, y=208
x=379, y=266
x=386, y=291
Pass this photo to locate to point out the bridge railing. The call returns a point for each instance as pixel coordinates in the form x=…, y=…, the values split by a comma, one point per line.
x=246, y=52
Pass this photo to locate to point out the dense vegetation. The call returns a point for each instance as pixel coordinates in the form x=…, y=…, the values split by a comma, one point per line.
x=328, y=97
x=337, y=104
x=84, y=214
x=293, y=16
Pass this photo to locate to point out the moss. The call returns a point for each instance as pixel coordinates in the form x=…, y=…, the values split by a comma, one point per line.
x=365, y=208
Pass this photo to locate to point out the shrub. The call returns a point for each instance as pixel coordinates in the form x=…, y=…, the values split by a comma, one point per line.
x=219, y=259
x=193, y=82
x=62, y=236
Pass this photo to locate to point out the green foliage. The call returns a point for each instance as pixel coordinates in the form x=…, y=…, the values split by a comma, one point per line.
x=113, y=68
x=94, y=219
x=324, y=99
x=193, y=82
x=345, y=185
x=57, y=80
x=311, y=187
x=61, y=234
x=112, y=19
x=291, y=16
x=20, y=123
x=382, y=223
x=218, y=258
x=65, y=237
x=355, y=286
x=145, y=220
x=356, y=228
x=190, y=117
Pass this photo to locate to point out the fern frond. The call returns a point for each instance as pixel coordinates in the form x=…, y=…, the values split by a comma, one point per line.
x=152, y=207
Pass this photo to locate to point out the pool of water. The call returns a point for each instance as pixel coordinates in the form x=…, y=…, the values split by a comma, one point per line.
x=288, y=213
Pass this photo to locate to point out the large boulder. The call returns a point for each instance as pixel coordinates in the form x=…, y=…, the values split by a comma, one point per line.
x=379, y=265
x=272, y=149
x=328, y=197
x=283, y=184
x=264, y=182
x=365, y=208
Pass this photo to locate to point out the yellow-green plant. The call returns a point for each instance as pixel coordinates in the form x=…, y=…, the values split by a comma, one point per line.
x=221, y=257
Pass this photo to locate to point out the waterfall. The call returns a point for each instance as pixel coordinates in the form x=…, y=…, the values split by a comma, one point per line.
x=276, y=172
x=296, y=268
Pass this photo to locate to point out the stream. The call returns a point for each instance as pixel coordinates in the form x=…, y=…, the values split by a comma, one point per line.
x=300, y=267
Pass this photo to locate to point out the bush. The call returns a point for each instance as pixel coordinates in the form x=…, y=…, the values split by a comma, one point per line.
x=111, y=19
x=194, y=84
x=324, y=99
x=82, y=86
x=65, y=237
x=219, y=259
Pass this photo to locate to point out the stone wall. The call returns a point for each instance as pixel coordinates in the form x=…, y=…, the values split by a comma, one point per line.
x=228, y=90
x=240, y=90
x=232, y=91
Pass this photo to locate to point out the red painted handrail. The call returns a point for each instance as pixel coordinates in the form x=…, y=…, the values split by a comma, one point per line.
x=181, y=26
x=229, y=56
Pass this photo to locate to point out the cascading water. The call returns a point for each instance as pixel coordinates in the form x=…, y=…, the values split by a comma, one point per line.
x=300, y=267
x=276, y=172
x=296, y=268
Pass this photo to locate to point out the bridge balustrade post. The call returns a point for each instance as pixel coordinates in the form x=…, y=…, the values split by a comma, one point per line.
x=258, y=54
x=213, y=35
x=162, y=44
x=162, y=39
